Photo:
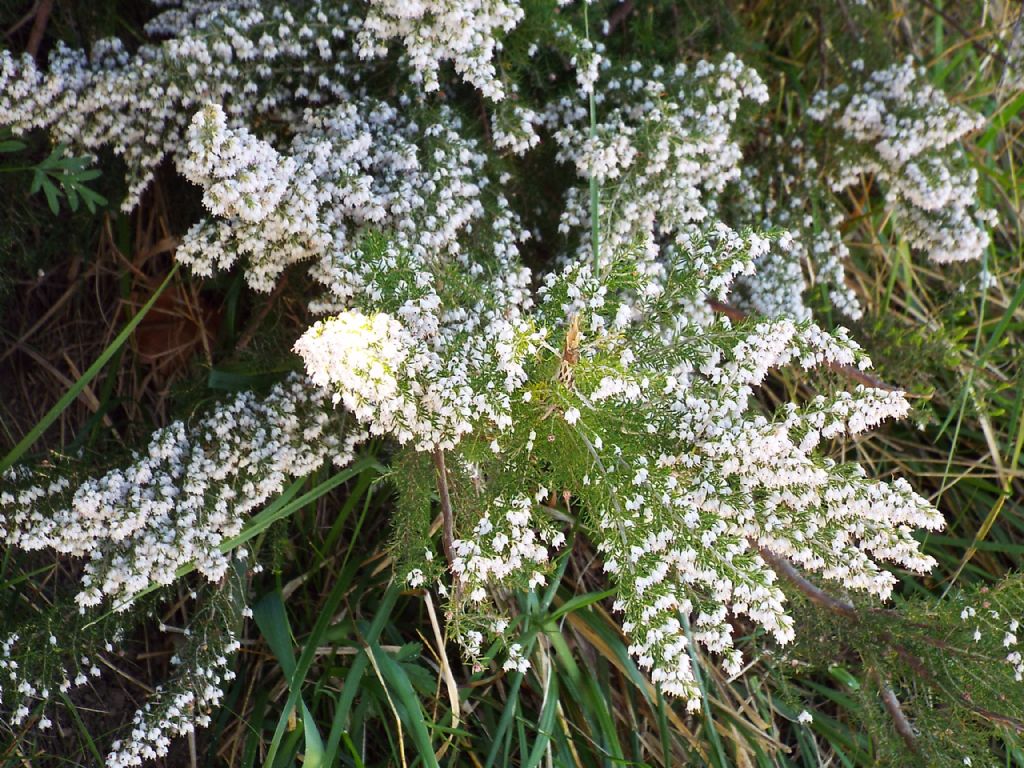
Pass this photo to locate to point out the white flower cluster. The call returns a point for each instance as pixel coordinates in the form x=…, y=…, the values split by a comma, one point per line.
x=664, y=149
x=809, y=252
x=365, y=362
x=236, y=54
x=516, y=660
x=641, y=412
x=995, y=622
x=399, y=387
x=266, y=201
x=27, y=688
x=157, y=723
x=361, y=169
x=901, y=129
x=353, y=167
x=183, y=500
x=504, y=548
x=743, y=485
x=465, y=32
x=777, y=285
x=424, y=183
x=38, y=670
x=682, y=513
x=203, y=665
x=514, y=128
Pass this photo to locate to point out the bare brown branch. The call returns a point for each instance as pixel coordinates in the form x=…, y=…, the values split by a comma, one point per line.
x=823, y=599
x=899, y=717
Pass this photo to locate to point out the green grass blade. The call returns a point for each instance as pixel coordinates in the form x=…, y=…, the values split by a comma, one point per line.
x=405, y=702
x=271, y=618
x=354, y=678
x=308, y=654
x=546, y=723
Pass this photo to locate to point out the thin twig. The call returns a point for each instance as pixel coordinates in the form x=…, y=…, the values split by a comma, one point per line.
x=619, y=15
x=823, y=599
x=13, y=29
x=922, y=672
x=87, y=396
x=978, y=45
x=994, y=717
x=50, y=312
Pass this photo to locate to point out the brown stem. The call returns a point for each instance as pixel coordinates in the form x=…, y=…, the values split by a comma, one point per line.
x=892, y=704
x=35, y=37
x=820, y=597
x=848, y=371
x=814, y=593
x=919, y=669
x=447, y=522
x=895, y=710
x=995, y=717
x=619, y=15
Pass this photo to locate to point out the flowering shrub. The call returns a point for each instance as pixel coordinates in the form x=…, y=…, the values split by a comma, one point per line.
x=666, y=147
x=182, y=501
x=903, y=132
x=607, y=381
x=782, y=193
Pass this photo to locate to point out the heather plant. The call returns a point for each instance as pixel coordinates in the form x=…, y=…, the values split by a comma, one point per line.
x=903, y=131
x=374, y=151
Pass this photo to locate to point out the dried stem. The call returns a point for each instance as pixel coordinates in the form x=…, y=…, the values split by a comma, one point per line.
x=35, y=37
x=619, y=15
